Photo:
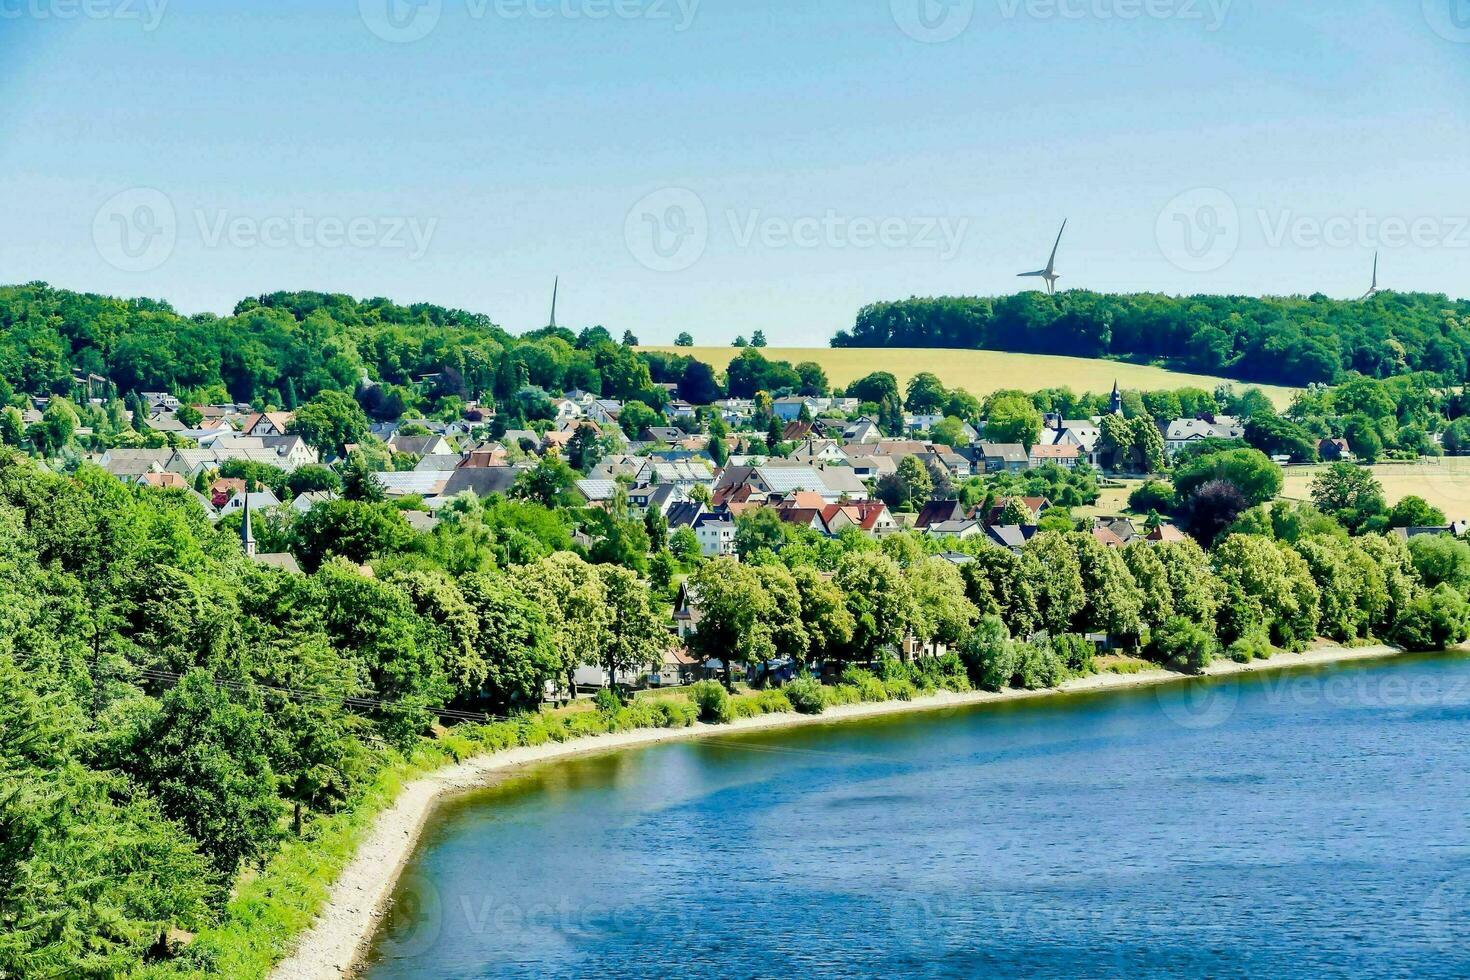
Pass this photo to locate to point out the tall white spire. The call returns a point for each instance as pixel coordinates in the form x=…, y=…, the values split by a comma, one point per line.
x=247, y=533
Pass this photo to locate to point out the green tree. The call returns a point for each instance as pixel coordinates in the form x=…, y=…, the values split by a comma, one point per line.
x=1113, y=601
x=1015, y=513
x=757, y=529
x=584, y=449
x=926, y=394
x=879, y=600
x=915, y=480
x=942, y=613
x=514, y=643
x=1441, y=560
x=1248, y=470
x=1116, y=441
x=330, y=422
x=350, y=529
x=998, y=583
x=549, y=483
x=203, y=756
x=12, y=426
x=735, y=616
x=1013, y=418
x=1180, y=641
x=824, y=614
x=1415, y=511
x=1350, y=494
x=1434, y=621
x=1056, y=575
x=634, y=638
x=1363, y=436
x=573, y=597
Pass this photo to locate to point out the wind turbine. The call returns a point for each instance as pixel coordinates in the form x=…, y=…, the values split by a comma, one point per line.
x=1050, y=272
x=556, y=285
x=1372, y=290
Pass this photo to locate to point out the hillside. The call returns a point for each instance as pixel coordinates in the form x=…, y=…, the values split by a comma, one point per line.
x=981, y=372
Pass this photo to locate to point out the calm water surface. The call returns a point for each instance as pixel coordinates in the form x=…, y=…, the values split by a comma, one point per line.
x=1300, y=825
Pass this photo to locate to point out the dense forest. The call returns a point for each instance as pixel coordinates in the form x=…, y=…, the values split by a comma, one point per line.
x=1281, y=340
x=282, y=349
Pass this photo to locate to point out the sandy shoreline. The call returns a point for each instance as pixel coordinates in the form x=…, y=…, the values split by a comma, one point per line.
x=331, y=947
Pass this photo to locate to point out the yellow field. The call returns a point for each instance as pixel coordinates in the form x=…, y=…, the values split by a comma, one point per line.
x=1444, y=482
x=981, y=372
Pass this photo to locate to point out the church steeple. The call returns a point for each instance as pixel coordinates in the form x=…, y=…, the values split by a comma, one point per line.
x=555, y=287
x=1116, y=406
x=247, y=533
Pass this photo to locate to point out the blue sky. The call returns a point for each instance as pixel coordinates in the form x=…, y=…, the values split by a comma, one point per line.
x=794, y=160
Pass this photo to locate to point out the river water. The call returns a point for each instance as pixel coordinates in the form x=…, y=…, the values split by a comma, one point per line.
x=1307, y=824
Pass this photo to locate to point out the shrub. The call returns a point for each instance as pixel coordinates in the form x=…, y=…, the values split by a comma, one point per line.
x=1077, y=652
x=950, y=673
x=989, y=655
x=674, y=714
x=805, y=695
x=1127, y=667
x=1037, y=667
x=1153, y=495
x=869, y=688
x=1254, y=646
x=1433, y=621
x=1179, y=641
x=843, y=694
x=900, y=689
x=586, y=723
x=713, y=702
x=608, y=701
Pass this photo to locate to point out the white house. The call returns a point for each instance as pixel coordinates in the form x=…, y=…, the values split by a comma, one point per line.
x=716, y=537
